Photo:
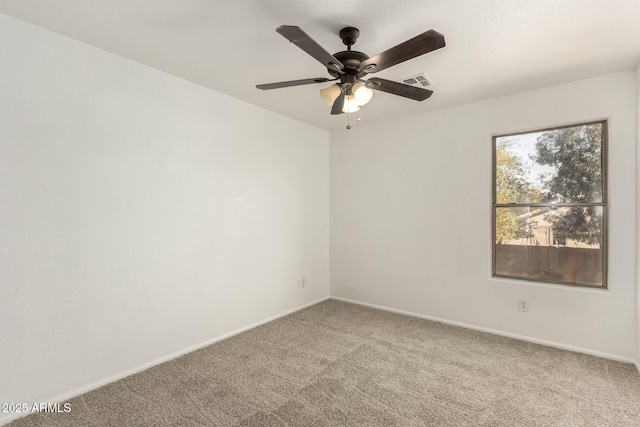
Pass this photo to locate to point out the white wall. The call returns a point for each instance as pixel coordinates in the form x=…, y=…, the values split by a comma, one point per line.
x=638, y=217
x=411, y=217
x=141, y=214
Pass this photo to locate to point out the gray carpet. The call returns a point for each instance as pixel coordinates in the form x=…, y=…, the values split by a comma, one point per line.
x=338, y=364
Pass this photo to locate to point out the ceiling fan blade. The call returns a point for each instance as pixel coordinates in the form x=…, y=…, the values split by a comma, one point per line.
x=301, y=39
x=419, y=45
x=293, y=83
x=338, y=104
x=399, y=89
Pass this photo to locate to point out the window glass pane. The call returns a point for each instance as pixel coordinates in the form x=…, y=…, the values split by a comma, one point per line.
x=559, y=165
x=550, y=243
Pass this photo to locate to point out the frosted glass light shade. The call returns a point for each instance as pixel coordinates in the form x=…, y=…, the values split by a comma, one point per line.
x=329, y=94
x=350, y=104
x=362, y=93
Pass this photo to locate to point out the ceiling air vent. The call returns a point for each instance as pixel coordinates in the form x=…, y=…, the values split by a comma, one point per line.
x=419, y=80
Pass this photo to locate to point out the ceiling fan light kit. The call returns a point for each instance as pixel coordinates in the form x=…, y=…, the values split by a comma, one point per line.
x=329, y=94
x=350, y=105
x=362, y=93
x=350, y=67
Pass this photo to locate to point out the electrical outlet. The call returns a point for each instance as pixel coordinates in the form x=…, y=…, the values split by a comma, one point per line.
x=300, y=284
x=304, y=281
x=523, y=304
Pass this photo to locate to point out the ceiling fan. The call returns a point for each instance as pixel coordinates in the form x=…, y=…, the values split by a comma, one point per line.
x=350, y=66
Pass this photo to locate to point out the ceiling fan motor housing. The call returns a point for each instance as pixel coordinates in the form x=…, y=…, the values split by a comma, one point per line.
x=351, y=59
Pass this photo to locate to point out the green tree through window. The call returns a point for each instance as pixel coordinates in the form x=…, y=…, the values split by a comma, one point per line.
x=576, y=152
x=550, y=205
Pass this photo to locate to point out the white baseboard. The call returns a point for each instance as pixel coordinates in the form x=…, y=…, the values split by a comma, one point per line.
x=638, y=365
x=548, y=343
x=87, y=388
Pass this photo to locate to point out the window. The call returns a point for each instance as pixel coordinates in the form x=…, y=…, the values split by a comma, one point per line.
x=550, y=205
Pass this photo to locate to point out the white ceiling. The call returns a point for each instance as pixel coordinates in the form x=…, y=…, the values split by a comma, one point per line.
x=494, y=47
